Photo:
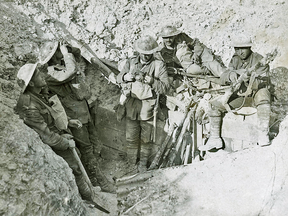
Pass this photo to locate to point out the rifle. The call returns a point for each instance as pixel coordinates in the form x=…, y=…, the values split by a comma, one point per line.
x=185, y=127
x=182, y=72
x=160, y=152
x=155, y=118
x=235, y=87
x=88, y=181
x=92, y=58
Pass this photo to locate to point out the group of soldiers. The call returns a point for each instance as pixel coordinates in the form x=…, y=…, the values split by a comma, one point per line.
x=56, y=107
x=164, y=69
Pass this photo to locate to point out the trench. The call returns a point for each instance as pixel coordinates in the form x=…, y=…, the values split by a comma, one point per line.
x=33, y=181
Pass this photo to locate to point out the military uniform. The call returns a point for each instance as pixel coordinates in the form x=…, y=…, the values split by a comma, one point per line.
x=259, y=97
x=261, y=83
x=68, y=83
x=141, y=98
x=184, y=49
x=33, y=109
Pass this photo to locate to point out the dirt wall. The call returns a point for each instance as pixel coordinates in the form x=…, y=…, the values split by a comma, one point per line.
x=109, y=27
x=33, y=179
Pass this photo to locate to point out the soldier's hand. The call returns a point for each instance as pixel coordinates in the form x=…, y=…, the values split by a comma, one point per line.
x=148, y=79
x=195, y=59
x=72, y=143
x=75, y=123
x=67, y=136
x=233, y=77
x=64, y=49
x=171, y=70
x=129, y=77
x=199, y=116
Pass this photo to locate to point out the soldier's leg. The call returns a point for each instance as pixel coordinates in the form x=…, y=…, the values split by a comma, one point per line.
x=94, y=139
x=83, y=187
x=82, y=139
x=262, y=103
x=145, y=150
x=132, y=138
x=214, y=140
x=210, y=61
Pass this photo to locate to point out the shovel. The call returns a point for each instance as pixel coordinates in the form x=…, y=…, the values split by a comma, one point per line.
x=88, y=181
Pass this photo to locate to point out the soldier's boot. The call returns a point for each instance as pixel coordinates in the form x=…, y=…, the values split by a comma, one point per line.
x=132, y=156
x=83, y=187
x=144, y=154
x=132, y=151
x=263, y=118
x=98, y=178
x=214, y=141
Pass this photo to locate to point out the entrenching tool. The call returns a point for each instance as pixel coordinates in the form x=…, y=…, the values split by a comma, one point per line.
x=88, y=181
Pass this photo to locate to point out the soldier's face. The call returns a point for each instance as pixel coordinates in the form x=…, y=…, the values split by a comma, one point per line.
x=243, y=52
x=38, y=79
x=56, y=58
x=168, y=41
x=145, y=57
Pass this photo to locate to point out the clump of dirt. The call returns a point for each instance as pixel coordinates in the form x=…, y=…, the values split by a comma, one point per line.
x=157, y=196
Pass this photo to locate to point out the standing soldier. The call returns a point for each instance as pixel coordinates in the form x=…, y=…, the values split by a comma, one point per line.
x=67, y=81
x=142, y=78
x=250, y=74
x=34, y=107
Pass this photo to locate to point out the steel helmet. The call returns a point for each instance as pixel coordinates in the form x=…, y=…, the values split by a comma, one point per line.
x=25, y=74
x=169, y=31
x=146, y=45
x=242, y=42
x=47, y=51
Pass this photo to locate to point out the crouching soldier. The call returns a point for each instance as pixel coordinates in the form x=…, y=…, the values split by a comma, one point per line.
x=178, y=50
x=35, y=108
x=142, y=78
x=66, y=80
x=249, y=77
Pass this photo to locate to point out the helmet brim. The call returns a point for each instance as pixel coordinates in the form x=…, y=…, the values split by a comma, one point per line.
x=53, y=50
x=26, y=73
x=171, y=34
x=238, y=45
x=147, y=52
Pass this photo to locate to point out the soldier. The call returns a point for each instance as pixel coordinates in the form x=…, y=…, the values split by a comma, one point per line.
x=34, y=108
x=142, y=78
x=178, y=50
x=250, y=74
x=67, y=81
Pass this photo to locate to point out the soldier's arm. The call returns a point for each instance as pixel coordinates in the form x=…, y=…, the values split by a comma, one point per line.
x=34, y=120
x=261, y=68
x=161, y=81
x=62, y=76
x=124, y=71
x=198, y=47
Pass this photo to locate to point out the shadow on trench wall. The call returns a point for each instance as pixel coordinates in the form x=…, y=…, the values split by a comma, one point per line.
x=112, y=134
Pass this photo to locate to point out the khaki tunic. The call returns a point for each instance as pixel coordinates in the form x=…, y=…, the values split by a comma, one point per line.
x=137, y=109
